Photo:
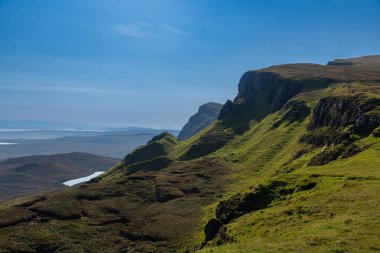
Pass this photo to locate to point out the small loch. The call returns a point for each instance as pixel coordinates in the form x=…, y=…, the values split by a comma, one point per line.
x=83, y=179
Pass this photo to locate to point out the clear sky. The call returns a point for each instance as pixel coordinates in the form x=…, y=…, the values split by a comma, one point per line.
x=152, y=63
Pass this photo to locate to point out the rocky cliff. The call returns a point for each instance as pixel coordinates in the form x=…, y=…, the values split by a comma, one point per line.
x=279, y=83
x=206, y=114
x=361, y=112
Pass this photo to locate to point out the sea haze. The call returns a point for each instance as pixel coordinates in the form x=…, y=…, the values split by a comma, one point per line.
x=112, y=143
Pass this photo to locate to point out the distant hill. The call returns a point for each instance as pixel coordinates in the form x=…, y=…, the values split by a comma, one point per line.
x=32, y=174
x=34, y=124
x=206, y=114
x=112, y=144
x=42, y=134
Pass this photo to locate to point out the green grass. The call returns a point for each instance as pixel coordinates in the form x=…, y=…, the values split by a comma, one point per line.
x=161, y=196
x=263, y=154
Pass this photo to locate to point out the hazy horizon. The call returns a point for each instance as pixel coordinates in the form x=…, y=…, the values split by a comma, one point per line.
x=153, y=63
x=27, y=124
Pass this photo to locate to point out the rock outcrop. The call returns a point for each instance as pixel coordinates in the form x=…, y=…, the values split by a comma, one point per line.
x=335, y=112
x=206, y=114
x=293, y=111
x=241, y=204
x=275, y=85
x=279, y=89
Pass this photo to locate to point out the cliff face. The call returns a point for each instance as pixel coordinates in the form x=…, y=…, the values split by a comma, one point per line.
x=277, y=84
x=206, y=114
x=335, y=112
x=279, y=88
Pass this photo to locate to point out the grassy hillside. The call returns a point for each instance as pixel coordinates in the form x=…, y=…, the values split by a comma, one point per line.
x=319, y=201
x=292, y=165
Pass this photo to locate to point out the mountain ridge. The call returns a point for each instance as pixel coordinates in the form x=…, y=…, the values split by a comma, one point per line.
x=287, y=166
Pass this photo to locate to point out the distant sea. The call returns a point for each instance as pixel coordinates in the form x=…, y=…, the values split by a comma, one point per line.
x=68, y=129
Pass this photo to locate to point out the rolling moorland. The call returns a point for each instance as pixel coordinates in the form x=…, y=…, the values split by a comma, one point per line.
x=33, y=174
x=291, y=165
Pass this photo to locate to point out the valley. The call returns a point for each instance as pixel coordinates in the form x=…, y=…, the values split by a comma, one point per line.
x=33, y=174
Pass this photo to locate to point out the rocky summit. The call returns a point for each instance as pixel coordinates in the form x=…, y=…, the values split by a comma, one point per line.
x=290, y=165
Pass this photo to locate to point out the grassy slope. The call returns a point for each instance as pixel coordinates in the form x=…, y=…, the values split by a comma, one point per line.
x=338, y=215
x=166, y=210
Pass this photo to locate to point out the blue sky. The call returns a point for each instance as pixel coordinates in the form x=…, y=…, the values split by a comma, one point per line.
x=152, y=63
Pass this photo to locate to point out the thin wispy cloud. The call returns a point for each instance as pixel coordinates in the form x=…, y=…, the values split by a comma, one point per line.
x=138, y=29
x=134, y=29
x=172, y=29
x=99, y=91
x=53, y=88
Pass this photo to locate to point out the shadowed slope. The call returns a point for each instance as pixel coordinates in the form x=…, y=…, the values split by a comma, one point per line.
x=206, y=114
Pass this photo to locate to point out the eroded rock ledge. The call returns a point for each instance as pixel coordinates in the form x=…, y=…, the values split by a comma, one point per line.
x=335, y=112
